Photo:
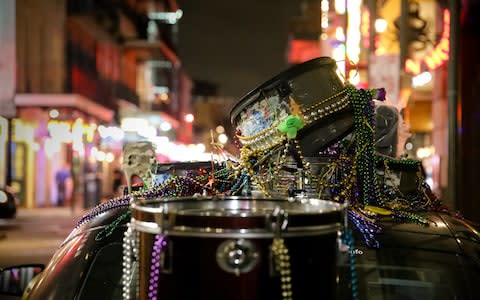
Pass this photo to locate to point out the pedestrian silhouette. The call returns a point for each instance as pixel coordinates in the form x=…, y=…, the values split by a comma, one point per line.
x=63, y=179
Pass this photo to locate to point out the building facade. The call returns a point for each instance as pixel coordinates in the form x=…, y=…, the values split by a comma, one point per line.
x=80, y=67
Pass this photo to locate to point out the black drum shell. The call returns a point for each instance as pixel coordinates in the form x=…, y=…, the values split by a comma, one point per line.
x=308, y=83
x=195, y=273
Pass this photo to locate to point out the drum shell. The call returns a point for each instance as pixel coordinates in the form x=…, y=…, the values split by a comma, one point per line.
x=196, y=274
x=161, y=172
x=307, y=83
x=195, y=238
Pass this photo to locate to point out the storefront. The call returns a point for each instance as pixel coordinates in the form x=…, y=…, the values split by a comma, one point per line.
x=54, y=134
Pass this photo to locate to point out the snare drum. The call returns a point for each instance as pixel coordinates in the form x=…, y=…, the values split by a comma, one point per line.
x=223, y=248
x=183, y=179
x=312, y=89
x=163, y=171
x=295, y=115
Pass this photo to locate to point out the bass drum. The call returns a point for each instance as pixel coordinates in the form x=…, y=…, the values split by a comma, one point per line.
x=236, y=248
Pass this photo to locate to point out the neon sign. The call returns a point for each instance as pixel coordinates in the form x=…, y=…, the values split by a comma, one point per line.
x=437, y=56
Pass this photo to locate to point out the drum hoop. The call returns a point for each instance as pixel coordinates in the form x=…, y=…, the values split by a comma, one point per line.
x=154, y=228
x=181, y=166
x=137, y=204
x=287, y=74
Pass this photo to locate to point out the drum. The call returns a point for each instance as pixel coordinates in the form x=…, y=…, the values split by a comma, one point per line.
x=163, y=171
x=295, y=115
x=236, y=248
x=293, y=181
x=181, y=179
x=312, y=89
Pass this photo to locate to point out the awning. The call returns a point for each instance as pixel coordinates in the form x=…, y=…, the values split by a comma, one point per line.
x=65, y=100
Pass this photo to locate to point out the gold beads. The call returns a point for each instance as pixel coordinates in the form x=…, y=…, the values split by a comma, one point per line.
x=282, y=266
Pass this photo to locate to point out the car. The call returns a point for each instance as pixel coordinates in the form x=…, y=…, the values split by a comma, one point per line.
x=8, y=203
x=410, y=261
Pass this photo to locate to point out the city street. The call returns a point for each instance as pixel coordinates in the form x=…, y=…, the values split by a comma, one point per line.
x=34, y=234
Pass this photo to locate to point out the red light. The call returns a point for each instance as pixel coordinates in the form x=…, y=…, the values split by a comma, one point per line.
x=438, y=55
x=303, y=50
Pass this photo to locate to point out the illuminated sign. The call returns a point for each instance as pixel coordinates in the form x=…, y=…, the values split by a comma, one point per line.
x=365, y=28
x=437, y=56
x=303, y=50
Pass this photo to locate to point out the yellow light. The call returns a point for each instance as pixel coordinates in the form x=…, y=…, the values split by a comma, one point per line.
x=201, y=148
x=412, y=66
x=365, y=29
x=340, y=6
x=436, y=57
x=381, y=25
x=220, y=129
x=189, y=118
x=354, y=77
x=163, y=97
x=424, y=152
x=353, y=31
x=222, y=138
x=339, y=34
x=421, y=79
x=325, y=7
x=89, y=130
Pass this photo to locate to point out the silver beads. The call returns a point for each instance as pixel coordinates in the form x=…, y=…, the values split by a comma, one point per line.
x=130, y=256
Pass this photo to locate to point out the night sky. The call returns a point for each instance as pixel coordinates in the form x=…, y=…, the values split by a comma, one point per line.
x=236, y=44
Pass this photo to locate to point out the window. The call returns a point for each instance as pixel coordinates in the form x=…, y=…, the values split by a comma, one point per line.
x=406, y=274
x=104, y=278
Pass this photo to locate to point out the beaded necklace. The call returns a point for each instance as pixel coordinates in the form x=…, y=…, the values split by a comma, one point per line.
x=258, y=150
x=353, y=176
x=130, y=263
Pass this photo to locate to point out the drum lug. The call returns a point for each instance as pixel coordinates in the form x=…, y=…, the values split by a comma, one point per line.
x=278, y=221
x=237, y=256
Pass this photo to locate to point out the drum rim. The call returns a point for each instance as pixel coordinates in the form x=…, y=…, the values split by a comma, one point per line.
x=184, y=165
x=284, y=75
x=213, y=232
x=137, y=203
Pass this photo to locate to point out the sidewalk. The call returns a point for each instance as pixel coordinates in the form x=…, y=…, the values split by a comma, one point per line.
x=50, y=212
